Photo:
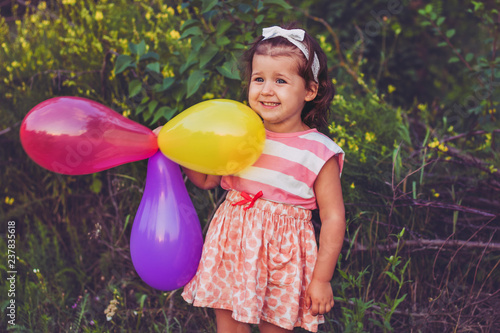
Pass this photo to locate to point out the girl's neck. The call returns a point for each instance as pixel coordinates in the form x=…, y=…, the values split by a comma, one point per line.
x=278, y=128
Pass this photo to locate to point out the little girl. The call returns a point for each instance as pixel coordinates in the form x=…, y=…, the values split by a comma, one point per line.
x=260, y=262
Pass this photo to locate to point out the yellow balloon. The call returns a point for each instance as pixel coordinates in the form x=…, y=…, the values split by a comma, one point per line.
x=216, y=137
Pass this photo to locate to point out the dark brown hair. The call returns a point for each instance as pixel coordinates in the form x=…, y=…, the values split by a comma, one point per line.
x=315, y=112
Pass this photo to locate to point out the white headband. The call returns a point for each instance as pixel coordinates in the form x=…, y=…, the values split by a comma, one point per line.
x=294, y=36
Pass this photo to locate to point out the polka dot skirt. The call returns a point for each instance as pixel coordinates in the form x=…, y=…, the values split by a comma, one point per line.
x=258, y=263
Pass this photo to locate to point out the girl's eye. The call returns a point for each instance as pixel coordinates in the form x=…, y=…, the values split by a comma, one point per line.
x=280, y=81
x=258, y=79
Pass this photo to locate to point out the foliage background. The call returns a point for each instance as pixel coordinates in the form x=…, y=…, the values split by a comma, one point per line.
x=416, y=110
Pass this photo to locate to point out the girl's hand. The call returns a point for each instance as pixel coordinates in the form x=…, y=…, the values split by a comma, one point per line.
x=319, y=297
x=156, y=131
x=199, y=179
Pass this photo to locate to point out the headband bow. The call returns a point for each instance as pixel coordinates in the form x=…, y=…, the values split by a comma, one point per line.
x=296, y=37
x=275, y=31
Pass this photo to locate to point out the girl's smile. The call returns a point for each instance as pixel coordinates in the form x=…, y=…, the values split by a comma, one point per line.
x=278, y=93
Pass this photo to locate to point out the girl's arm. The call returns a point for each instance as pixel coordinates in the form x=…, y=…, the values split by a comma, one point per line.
x=201, y=180
x=319, y=296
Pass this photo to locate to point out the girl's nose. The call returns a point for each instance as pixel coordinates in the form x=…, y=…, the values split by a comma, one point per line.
x=267, y=89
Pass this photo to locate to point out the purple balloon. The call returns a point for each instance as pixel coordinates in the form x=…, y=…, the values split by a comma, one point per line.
x=166, y=239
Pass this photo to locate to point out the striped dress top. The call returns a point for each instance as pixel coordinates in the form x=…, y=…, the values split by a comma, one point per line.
x=288, y=167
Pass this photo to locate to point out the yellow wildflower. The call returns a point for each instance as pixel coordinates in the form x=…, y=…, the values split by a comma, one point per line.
x=433, y=144
x=208, y=95
x=391, y=88
x=175, y=34
x=369, y=136
x=442, y=147
x=99, y=16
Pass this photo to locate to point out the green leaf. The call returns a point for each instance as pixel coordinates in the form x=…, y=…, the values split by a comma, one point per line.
x=123, y=62
x=127, y=219
x=140, y=108
x=238, y=46
x=166, y=112
x=138, y=49
x=244, y=8
x=208, y=5
x=207, y=54
x=188, y=23
x=401, y=234
x=469, y=57
x=398, y=301
x=259, y=19
x=141, y=48
x=223, y=41
x=281, y=3
x=393, y=277
x=152, y=106
x=450, y=33
x=222, y=27
x=477, y=5
x=197, y=43
x=192, y=31
x=134, y=88
x=167, y=83
x=193, y=83
x=153, y=67
x=96, y=186
x=179, y=94
x=428, y=8
x=440, y=20
x=343, y=274
x=453, y=60
x=186, y=65
x=229, y=70
x=149, y=55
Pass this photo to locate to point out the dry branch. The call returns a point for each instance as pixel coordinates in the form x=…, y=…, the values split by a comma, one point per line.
x=427, y=244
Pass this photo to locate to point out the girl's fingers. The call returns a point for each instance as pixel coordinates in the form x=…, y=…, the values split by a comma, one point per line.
x=321, y=308
x=308, y=302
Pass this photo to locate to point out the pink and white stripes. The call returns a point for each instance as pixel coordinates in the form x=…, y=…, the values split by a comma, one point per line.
x=287, y=168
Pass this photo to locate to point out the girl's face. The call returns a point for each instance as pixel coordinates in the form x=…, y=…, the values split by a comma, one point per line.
x=278, y=93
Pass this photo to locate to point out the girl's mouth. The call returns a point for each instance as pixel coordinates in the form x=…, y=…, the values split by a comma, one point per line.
x=270, y=104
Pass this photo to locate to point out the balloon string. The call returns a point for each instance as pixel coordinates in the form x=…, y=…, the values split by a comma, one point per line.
x=248, y=199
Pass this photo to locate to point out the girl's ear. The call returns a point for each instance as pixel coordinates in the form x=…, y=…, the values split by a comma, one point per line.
x=312, y=91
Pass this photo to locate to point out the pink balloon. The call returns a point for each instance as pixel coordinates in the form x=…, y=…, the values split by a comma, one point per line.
x=77, y=136
x=166, y=238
